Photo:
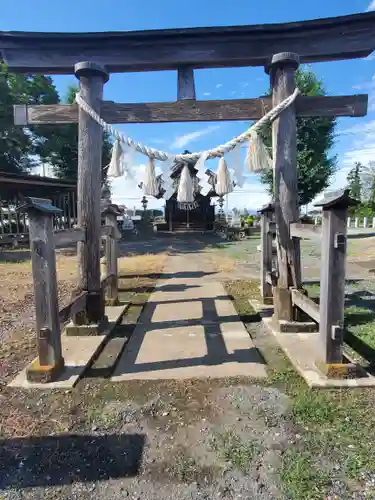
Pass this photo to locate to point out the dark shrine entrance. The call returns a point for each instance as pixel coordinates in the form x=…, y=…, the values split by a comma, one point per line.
x=198, y=215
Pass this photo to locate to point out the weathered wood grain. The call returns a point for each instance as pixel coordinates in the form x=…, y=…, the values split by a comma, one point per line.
x=75, y=306
x=106, y=281
x=305, y=231
x=110, y=230
x=160, y=112
x=111, y=260
x=271, y=227
x=185, y=84
x=284, y=143
x=332, y=284
x=90, y=139
x=316, y=40
x=306, y=304
x=68, y=236
x=266, y=257
x=45, y=288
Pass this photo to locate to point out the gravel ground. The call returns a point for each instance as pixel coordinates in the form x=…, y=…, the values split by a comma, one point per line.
x=154, y=441
x=170, y=446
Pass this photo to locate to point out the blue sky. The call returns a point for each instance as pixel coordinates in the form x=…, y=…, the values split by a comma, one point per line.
x=356, y=139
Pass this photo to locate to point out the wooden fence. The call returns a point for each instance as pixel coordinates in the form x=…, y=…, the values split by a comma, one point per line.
x=329, y=314
x=353, y=222
x=14, y=224
x=43, y=241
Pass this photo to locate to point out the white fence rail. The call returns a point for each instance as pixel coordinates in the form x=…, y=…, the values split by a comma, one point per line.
x=353, y=222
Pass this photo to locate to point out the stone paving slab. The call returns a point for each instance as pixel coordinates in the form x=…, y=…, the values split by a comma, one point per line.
x=189, y=328
x=303, y=350
x=78, y=351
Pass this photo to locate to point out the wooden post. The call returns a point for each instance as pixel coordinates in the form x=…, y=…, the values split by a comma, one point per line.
x=332, y=284
x=185, y=84
x=170, y=220
x=284, y=142
x=50, y=361
x=110, y=215
x=90, y=138
x=266, y=251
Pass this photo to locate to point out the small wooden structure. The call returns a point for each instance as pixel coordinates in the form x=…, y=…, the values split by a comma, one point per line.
x=278, y=47
x=49, y=318
x=329, y=314
x=14, y=226
x=200, y=214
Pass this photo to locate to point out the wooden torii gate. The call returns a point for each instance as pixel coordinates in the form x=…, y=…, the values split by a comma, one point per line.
x=280, y=48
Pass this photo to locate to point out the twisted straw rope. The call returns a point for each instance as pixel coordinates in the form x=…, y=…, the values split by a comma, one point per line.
x=218, y=151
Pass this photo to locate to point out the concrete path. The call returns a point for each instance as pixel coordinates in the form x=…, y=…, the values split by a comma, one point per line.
x=189, y=328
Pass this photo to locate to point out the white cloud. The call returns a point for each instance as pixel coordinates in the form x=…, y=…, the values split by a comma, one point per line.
x=218, y=85
x=206, y=93
x=364, y=128
x=233, y=92
x=371, y=6
x=363, y=146
x=370, y=88
x=126, y=191
x=339, y=181
x=184, y=140
x=251, y=196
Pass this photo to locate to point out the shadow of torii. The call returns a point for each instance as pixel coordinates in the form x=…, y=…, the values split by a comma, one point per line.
x=60, y=460
x=213, y=326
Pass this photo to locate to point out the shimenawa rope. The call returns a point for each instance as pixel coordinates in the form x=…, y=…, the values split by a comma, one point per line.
x=218, y=151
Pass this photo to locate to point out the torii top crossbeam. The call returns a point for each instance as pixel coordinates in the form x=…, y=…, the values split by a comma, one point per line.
x=317, y=40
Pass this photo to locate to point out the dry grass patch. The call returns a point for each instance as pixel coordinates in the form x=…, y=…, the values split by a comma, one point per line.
x=361, y=249
x=141, y=264
x=16, y=293
x=17, y=315
x=138, y=275
x=223, y=264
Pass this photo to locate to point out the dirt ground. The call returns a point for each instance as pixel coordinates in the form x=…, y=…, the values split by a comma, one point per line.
x=197, y=439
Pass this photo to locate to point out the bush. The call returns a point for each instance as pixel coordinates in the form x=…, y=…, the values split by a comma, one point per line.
x=307, y=219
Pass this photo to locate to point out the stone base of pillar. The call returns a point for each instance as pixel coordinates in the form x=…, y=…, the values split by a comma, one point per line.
x=44, y=374
x=112, y=302
x=340, y=371
x=86, y=330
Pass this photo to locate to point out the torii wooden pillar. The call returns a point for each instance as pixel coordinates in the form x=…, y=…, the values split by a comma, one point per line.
x=315, y=40
x=284, y=146
x=91, y=77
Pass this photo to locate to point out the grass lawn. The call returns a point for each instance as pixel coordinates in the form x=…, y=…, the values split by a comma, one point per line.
x=336, y=428
x=359, y=318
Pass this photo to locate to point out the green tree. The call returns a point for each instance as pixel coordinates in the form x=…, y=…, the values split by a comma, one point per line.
x=315, y=137
x=355, y=182
x=368, y=184
x=59, y=147
x=17, y=144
